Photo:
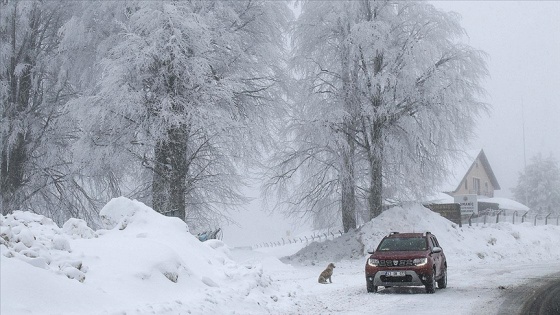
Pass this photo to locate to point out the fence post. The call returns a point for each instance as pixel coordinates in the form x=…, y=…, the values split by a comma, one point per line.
x=513, y=217
x=498, y=216
x=546, y=219
x=523, y=216
x=536, y=216
x=470, y=219
x=485, y=215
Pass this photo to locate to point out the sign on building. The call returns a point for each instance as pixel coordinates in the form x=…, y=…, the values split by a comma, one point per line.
x=468, y=203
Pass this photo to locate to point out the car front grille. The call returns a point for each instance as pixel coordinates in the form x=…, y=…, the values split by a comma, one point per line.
x=396, y=263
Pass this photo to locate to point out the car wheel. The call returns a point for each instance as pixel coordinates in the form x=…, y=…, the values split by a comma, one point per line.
x=431, y=285
x=442, y=282
x=371, y=288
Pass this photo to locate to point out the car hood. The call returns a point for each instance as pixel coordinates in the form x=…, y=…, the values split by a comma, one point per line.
x=400, y=254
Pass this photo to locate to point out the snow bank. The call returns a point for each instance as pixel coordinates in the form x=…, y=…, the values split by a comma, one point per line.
x=491, y=242
x=38, y=241
x=146, y=263
x=142, y=262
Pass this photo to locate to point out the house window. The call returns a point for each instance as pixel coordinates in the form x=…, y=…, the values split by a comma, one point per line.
x=486, y=191
x=476, y=185
x=466, y=186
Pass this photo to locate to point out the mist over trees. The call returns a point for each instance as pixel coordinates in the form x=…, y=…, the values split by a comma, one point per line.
x=36, y=129
x=538, y=186
x=167, y=102
x=186, y=91
x=387, y=95
x=174, y=102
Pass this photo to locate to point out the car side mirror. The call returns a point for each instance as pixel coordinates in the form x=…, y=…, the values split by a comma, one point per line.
x=436, y=250
x=370, y=252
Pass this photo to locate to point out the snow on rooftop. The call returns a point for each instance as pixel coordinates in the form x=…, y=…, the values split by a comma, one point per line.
x=438, y=198
x=505, y=203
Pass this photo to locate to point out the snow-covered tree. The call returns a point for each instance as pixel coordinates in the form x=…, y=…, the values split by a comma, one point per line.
x=183, y=100
x=538, y=186
x=314, y=170
x=389, y=95
x=36, y=172
x=419, y=89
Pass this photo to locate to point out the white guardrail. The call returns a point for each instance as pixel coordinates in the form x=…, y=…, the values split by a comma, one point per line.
x=316, y=237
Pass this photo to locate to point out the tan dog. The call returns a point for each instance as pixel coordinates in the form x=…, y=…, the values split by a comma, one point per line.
x=327, y=274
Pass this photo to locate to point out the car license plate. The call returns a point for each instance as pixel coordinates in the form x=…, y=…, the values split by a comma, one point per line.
x=395, y=273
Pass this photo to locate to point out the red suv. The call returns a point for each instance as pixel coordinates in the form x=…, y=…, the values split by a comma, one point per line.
x=407, y=259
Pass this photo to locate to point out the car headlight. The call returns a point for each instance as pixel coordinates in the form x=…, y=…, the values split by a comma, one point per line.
x=373, y=262
x=420, y=261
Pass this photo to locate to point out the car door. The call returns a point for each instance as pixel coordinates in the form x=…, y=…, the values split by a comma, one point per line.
x=436, y=256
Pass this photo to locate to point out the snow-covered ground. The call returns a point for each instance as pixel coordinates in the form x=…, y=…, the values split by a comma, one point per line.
x=145, y=263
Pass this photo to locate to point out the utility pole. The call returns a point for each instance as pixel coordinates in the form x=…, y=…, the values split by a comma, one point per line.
x=524, y=151
x=523, y=125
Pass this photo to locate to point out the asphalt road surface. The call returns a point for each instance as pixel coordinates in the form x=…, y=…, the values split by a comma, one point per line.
x=539, y=296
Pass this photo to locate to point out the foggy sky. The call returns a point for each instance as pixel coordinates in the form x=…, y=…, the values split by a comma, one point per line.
x=522, y=39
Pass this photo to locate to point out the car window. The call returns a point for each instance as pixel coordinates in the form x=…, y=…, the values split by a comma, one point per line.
x=400, y=243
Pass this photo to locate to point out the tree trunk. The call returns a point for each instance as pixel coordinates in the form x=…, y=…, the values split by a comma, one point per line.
x=347, y=182
x=347, y=179
x=14, y=155
x=11, y=174
x=170, y=172
x=375, y=198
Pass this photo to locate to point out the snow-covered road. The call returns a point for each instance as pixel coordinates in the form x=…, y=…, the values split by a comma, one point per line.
x=472, y=288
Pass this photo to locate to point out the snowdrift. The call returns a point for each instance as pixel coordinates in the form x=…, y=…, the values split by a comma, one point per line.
x=140, y=255
x=144, y=263
x=491, y=242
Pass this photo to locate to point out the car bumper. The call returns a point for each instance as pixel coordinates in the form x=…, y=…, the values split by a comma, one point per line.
x=411, y=278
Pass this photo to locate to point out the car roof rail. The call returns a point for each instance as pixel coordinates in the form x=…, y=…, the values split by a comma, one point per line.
x=428, y=232
x=393, y=233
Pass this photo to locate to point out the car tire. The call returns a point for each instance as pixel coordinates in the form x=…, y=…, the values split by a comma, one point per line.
x=442, y=282
x=431, y=285
x=371, y=288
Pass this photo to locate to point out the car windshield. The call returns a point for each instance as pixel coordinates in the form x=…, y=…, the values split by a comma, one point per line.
x=401, y=243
